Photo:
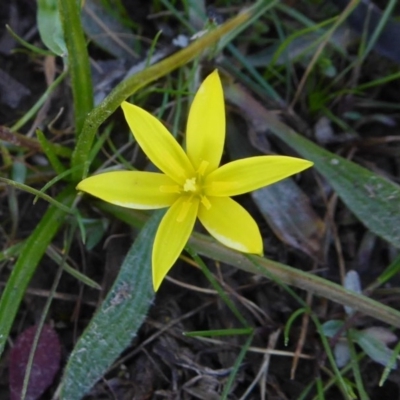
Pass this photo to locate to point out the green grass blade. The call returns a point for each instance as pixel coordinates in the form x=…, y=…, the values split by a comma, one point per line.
x=236, y=367
x=373, y=83
x=78, y=61
x=49, y=151
x=320, y=28
x=118, y=319
x=380, y=27
x=29, y=258
x=220, y=332
x=389, y=272
x=206, y=246
x=356, y=368
x=259, y=80
x=51, y=182
x=390, y=364
x=35, y=108
x=341, y=382
x=59, y=259
x=38, y=193
x=224, y=297
x=392, y=270
x=290, y=322
x=12, y=251
x=258, y=9
x=29, y=46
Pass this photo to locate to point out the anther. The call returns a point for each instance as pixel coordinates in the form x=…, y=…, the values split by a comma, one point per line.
x=203, y=166
x=190, y=185
x=206, y=203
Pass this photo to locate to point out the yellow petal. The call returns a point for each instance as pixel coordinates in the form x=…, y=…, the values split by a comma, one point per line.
x=205, y=135
x=172, y=235
x=131, y=189
x=231, y=224
x=158, y=144
x=242, y=176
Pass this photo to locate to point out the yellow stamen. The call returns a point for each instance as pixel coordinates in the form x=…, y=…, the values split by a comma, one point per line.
x=190, y=185
x=206, y=203
x=203, y=166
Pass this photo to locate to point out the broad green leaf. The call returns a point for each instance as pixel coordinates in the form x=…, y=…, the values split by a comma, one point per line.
x=372, y=198
x=49, y=25
x=375, y=349
x=29, y=258
x=332, y=327
x=118, y=319
x=94, y=231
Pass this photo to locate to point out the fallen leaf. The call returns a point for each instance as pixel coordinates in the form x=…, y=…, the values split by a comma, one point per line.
x=46, y=362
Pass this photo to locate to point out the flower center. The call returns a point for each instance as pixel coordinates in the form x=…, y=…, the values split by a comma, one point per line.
x=192, y=188
x=194, y=185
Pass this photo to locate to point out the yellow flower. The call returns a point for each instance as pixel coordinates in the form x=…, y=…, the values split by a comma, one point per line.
x=192, y=184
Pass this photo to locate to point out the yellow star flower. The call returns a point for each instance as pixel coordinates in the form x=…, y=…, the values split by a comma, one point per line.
x=192, y=184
